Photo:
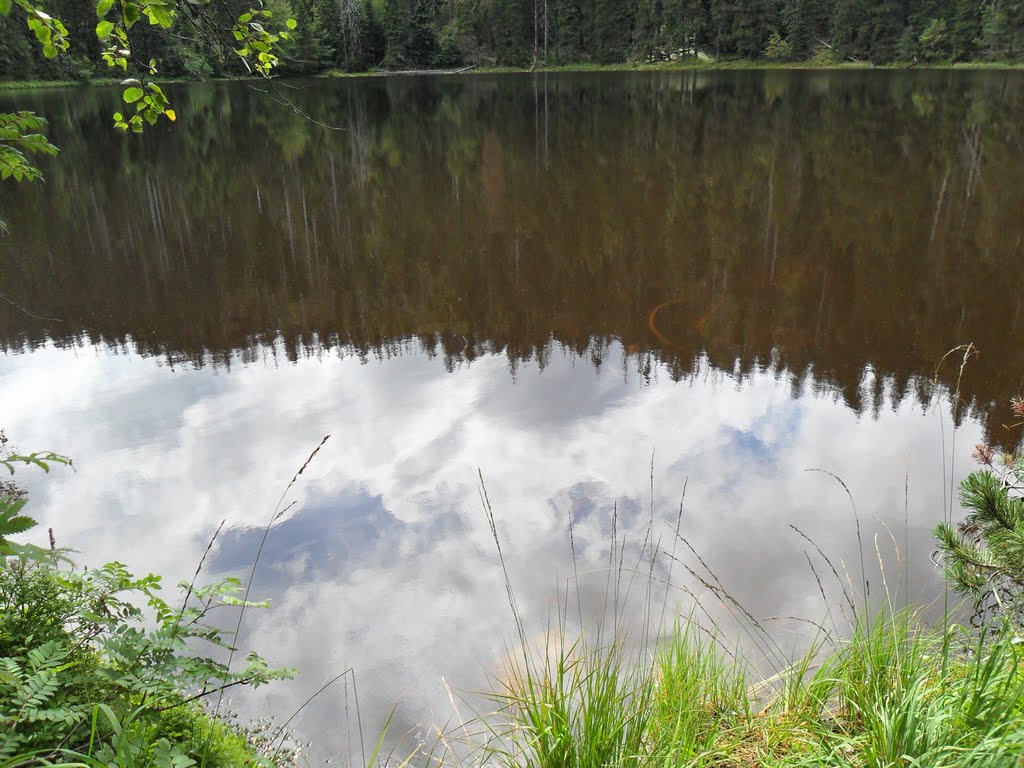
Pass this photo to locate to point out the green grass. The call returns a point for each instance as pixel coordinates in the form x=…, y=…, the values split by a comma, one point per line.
x=24, y=85
x=699, y=65
x=676, y=66
x=888, y=690
x=95, y=82
x=898, y=694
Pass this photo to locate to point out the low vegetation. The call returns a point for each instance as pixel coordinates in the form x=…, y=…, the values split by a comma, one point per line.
x=891, y=690
x=97, y=668
x=895, y=694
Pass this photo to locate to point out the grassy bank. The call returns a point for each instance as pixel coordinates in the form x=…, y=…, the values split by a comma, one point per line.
x=99, y=82
x=26, y=85
x=875, y=690
x=695, y=65
x=895, y=694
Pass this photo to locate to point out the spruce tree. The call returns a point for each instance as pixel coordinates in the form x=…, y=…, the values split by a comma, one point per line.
x=316, y=36
x=648, y=38
x=611, y=23
x=409, y=33
x=374, y=42
x=685, y=25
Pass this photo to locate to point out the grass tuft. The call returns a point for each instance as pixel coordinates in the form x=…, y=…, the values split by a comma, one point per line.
x=879, y=699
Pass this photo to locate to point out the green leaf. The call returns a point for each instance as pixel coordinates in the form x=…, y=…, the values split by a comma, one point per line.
x=103, y=8
x=5, y=7
x=291, y=23
x=130, y=13
x=104, y=28
x=18, y=524
x=160, y=16
x=131, y=95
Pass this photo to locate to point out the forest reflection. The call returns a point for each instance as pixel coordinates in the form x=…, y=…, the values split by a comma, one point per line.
x=819, y=225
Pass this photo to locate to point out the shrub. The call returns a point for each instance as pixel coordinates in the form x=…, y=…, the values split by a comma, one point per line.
x=95, y=665
x=79, y=656
x=778, y=49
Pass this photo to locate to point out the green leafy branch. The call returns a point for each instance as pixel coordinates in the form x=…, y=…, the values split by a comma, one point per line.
x=256, y=43
x=150, y=103
x=12, y=522
x=40, y=459
x=50, y=32
x=21, y=135
x=114, y=649
x=256, y=47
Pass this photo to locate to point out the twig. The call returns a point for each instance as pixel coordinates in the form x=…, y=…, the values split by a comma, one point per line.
x=18, y=306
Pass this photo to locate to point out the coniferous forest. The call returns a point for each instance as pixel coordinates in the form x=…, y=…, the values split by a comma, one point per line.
x=361, y=35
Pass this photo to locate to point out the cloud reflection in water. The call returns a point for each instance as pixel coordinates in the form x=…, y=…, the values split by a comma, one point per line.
x=386, y=562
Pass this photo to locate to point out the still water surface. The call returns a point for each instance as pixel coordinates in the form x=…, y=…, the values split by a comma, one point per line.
x=595, y=289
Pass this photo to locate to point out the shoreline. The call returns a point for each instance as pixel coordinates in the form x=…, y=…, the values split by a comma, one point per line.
x=686, y=66
x=579, y=67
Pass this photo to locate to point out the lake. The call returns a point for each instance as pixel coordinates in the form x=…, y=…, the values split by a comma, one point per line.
x=598, y=292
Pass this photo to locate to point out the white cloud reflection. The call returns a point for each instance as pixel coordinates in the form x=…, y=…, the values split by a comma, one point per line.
x=387, y=564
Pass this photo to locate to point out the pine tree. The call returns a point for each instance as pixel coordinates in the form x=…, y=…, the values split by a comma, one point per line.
x=720, y=26
x=984, y=555
x=888, y=20
x=997, y=30
x=397, y=24
x=423, y=46
x=569, y=29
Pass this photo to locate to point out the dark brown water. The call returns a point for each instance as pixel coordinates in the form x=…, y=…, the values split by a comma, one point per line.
x=550, y=278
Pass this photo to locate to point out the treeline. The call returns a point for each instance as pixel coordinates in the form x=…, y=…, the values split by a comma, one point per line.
x=359, y=35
